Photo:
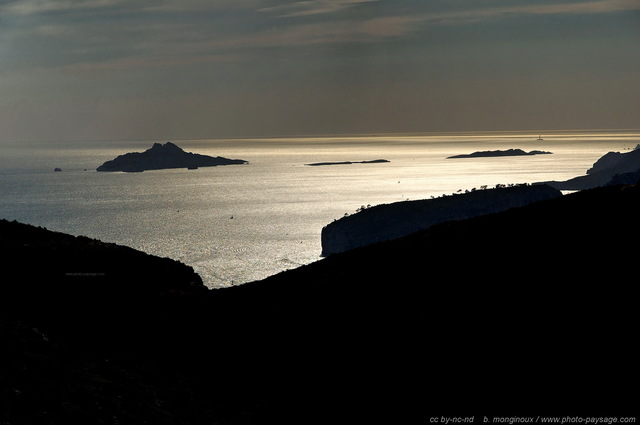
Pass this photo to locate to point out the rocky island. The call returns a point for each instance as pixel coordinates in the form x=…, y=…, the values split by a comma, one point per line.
x=160, y=157
x=373, y=161
x=508, y=152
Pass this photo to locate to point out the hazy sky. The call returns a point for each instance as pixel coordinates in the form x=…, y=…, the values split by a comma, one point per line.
x=160, y=69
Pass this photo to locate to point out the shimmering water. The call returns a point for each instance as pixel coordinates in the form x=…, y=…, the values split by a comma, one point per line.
x=239, y=223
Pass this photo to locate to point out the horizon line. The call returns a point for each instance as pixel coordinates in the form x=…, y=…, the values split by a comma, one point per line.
x=333, y=135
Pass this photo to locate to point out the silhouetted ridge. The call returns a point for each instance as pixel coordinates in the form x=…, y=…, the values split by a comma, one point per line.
x=389, y=221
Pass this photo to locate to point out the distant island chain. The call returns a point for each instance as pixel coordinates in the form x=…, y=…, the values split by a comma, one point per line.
x=169, y=155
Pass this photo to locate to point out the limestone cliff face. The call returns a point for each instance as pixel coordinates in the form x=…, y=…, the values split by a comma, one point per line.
x=390, y=221
x=604, y=171
x=609, y=160
x=160, y=156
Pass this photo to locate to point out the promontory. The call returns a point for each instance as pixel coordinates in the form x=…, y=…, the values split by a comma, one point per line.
x=161, y=156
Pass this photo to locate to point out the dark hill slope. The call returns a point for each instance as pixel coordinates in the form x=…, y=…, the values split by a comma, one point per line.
x=397, y=219
x=491, y=311
x=558, y=243
x=528, y=310
x=57, y=276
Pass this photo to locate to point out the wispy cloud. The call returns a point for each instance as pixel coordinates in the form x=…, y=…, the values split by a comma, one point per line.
x=599, y=6
x=481, y=14
x=143, y=61
x=398, y=25
x=157, y=33
x=28, y=7
x=312, y=7
x=330, y=32
x=31, y=7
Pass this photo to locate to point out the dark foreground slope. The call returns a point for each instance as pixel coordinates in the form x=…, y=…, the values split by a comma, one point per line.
x=529, y=311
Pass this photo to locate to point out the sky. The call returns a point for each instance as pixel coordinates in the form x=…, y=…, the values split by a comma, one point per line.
x=161, y=69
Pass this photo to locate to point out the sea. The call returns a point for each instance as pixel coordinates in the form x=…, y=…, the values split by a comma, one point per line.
x=239, y=223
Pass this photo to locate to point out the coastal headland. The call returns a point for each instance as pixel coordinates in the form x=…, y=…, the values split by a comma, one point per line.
x=485, y=312
x=613, y=167
x=390, y=221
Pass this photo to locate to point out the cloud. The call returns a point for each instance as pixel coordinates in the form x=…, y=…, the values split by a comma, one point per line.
x=482, y=14
x=330, y=32
x=163, y=33
x=100, y=67
x=599, y=6
x=30, y=7
x=393, y=25
x=312, y=7
x=471, y=13
x=33, y=7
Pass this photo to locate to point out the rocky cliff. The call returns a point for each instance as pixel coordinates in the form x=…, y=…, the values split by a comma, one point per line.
x=389, y=221
x=164, y=156
x=603, y=171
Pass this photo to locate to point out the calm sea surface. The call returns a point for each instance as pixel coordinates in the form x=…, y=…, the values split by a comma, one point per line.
x=239, y=223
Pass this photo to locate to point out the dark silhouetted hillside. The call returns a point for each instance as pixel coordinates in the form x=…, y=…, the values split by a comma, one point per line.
x=527, y=310
x=390, y=221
